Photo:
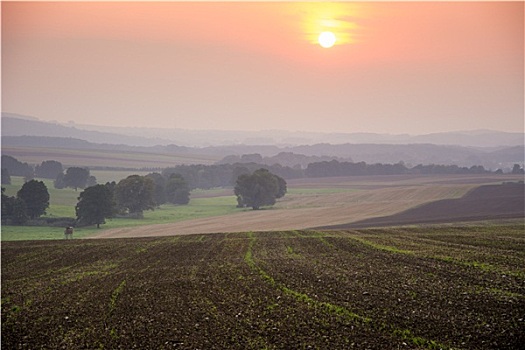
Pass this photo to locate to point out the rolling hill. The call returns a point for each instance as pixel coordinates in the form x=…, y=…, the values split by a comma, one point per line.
x=488, y=202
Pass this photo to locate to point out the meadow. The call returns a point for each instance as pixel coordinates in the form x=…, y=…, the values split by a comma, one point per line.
x=440, y=287
x=63, y=201
x=308, y=203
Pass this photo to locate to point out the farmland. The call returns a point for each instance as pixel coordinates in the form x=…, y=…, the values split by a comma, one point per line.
x=333, y=201
x=455, y=286
x=105, y=158
x=309, y=203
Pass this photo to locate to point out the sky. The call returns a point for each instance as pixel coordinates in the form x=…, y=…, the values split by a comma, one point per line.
x=405, y=67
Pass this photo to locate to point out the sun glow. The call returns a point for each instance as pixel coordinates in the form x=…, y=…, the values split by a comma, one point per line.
x=336, y=18
x=327, y=39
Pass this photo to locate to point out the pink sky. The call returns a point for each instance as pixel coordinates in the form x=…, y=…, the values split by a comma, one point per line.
x=396, y=68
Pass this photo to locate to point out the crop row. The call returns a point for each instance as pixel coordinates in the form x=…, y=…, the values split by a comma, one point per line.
x=267, y=290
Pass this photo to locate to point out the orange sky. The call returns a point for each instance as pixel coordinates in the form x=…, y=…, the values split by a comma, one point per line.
x=397, y=67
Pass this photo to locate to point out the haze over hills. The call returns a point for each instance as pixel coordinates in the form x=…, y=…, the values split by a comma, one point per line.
x=493, y=150
x=18, y=125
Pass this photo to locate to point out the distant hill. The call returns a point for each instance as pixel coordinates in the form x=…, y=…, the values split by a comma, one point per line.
x=18, y=125
x=20, y=146
x=22, y=132
x=14, y=125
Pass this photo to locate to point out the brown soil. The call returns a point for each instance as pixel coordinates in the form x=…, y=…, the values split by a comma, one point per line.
x=489, y=202
x=460, y=288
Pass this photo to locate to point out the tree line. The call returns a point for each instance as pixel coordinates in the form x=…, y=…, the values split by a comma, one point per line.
x=336, y=168
x=133, y=195
x=31, y=202
x=73, y=177
x=129, y=197
x=225, y=175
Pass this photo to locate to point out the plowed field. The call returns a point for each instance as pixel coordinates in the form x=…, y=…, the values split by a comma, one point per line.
x=409, y=288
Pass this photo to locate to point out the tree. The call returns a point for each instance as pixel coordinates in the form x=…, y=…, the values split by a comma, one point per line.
x=76, y=177
x=91, y=181
x=36, y=197
x=160, y=187
x=259, y=189
x=49, y=169
x=95, y=204
x=282, y=187
x=6, y=178
x=59, y=182
x=177, y=190
x=238, y=171
x=134, y=194
x=19, y=215
x=15, y=167
x=7, y=206
x=516, y=169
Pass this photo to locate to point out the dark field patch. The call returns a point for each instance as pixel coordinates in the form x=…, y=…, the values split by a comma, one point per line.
x=489, y=202
x=413, y=288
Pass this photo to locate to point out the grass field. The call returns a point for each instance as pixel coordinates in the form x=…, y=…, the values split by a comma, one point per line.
x=308, y=203
x=197, y=208
x=453, y=287
x=62, y=204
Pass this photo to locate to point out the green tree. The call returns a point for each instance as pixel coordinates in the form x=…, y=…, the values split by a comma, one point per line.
x=36, y=197
x=6, y=178
x=91, y=181
x=177, y=190
x=59, y=181
x=19, y=215
x=134, y=194
x=15, y=167
x=259, y=189
x=160, y=187
x=49, y=169
x=95, y=204
x=282, y=187
x=7, y=206
x=76, y=177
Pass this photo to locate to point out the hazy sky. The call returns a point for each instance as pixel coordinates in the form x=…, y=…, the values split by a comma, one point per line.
x=396, y=67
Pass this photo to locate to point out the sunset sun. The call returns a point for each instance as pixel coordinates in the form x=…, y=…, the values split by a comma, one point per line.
x=327, y=39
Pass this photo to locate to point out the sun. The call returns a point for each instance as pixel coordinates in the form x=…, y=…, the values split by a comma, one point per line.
x=327, y=39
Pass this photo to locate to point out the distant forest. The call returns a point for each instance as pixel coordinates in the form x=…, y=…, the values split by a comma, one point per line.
x=225, y=175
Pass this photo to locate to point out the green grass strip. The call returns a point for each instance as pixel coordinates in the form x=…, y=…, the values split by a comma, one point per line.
x=485, y=267
x=404, y=334
x=479, y=265
x=382, y=247
x=115, y=294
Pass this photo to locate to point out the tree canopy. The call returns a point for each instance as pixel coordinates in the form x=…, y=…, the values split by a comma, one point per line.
x=95, y=204
x=15, y=167
x=49, y=169
x=36, y=197
x=259, y=189
x=160, y=187
x=7, y=206
x=135, y=194
x=177, y=190
x=6, y=177
x=76, y=177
